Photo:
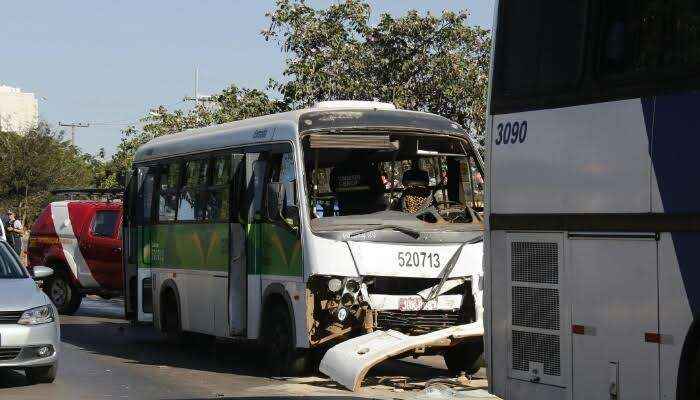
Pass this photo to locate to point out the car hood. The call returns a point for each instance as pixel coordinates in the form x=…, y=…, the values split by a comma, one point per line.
x=20, y=295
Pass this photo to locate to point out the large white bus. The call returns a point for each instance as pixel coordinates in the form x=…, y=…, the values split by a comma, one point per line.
x=306, y=228
x=593, y=243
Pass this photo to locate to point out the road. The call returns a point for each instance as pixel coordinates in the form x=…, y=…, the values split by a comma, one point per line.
x=103, y=357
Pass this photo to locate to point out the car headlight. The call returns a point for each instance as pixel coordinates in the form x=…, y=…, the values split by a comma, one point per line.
x=37, y=316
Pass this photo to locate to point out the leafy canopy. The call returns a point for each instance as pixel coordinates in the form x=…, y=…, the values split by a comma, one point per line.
x=430, y=63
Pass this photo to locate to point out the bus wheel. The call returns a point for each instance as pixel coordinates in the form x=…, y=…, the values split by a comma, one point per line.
x=170, y=318
x=465, y=357
x=63, y=293
x=277, y=336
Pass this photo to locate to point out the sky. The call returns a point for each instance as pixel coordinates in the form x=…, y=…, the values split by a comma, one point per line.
x=107, y=62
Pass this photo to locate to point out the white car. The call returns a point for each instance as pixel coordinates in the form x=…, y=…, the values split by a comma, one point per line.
x=2, y=231
x=29, y=328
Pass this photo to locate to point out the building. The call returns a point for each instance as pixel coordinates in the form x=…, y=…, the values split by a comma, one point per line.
x=19, y=111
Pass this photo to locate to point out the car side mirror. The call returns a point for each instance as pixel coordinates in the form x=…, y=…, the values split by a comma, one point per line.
x=41, y=272
x=275, y=201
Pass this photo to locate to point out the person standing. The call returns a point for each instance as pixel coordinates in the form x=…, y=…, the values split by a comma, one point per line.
x=15, y=230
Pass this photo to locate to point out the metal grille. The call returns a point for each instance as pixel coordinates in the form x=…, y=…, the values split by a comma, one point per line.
x=418, y=322
x=535, y=307
x=536, y=347
x=534, y=262
x=9, y=353
x=10, y=317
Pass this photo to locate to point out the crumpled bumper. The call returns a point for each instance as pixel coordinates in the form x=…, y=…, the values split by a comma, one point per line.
x=348, y=362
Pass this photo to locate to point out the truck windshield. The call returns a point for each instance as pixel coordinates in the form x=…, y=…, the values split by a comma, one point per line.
x=428, y=181
x=10, y=267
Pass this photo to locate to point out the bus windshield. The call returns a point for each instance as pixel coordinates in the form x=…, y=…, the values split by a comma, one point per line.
x=422, y=181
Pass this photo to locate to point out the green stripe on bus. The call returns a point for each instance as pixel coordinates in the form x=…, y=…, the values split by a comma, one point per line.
x=190, y=246
x=272, y=249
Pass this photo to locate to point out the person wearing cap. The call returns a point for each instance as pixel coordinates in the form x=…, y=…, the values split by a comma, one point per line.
x=15, y=229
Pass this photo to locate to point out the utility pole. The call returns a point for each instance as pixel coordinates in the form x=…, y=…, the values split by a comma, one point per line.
x=197, y=98
x=72, y=127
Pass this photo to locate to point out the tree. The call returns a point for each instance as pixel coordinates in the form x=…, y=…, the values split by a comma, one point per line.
x=36, y=162
x=232, y=104
x=418, y=62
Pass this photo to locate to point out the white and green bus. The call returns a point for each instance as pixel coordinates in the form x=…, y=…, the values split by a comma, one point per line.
x=306, y=228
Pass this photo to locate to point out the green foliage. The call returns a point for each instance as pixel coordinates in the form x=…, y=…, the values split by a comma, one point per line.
x=418, y=62
x=231, y=104
x=430, y=63
x=36, y=162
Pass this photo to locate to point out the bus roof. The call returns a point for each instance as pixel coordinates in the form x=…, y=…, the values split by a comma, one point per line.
x=288, y=126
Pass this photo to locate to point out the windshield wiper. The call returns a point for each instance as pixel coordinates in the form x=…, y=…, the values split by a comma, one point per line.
x=408, y=231
x=477, y=239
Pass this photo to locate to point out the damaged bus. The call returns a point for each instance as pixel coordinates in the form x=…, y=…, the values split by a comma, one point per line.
x=307, y=228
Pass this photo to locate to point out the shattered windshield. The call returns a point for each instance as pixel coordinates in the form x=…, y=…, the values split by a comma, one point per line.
x=425, y=181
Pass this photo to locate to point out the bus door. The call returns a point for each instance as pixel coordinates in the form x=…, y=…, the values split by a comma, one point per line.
x=256, y=171
x=137, y=242
x=237, y=277
x=614, y=294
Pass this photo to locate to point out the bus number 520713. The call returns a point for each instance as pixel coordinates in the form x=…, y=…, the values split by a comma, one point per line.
x=511, y=133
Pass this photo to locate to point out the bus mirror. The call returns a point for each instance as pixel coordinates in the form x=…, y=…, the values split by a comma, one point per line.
x=275, y=200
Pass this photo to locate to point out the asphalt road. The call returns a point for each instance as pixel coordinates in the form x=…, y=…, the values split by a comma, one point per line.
x=103, y=357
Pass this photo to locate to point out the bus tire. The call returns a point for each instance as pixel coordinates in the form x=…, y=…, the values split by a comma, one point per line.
x=64, y=294
x=466, y=356
x=281, y=355
x=171, y=324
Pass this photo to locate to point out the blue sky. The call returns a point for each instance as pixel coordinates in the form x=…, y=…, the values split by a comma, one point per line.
x=110, y=61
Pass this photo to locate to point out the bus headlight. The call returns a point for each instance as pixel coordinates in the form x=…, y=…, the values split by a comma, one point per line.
x=342, y=314
x=352, y=286
x=335, y=285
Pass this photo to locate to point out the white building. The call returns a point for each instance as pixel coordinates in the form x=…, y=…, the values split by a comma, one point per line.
x=19, y=111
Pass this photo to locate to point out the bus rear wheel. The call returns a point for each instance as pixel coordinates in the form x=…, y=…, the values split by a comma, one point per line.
x=465, y=357
x=282, y=357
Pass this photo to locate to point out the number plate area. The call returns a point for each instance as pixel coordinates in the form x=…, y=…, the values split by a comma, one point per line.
x=418, y=259
x=414, y=303
x=406, y=261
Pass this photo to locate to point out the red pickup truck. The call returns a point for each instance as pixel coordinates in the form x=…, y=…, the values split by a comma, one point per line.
x=81, y=241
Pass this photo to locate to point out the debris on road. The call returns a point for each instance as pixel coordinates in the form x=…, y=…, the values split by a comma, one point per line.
x=348, y=362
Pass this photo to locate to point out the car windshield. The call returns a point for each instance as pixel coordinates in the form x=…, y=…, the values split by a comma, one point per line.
x=10, y=268
x=425, y=181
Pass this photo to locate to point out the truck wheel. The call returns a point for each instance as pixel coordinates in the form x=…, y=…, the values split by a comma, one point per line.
x=277, y=336
x=465, y=357
x=41, y=374
x=63, y=293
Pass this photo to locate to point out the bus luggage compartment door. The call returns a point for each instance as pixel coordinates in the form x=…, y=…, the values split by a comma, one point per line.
x=614, y=295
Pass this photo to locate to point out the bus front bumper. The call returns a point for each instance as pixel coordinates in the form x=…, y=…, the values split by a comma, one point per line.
x=348, y=362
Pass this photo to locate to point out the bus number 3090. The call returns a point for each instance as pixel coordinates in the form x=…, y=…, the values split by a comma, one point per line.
x=511, y=133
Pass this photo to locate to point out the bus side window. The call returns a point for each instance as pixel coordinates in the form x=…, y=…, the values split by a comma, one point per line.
x=168, y=191
x=218, y=194
x=193, y=194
